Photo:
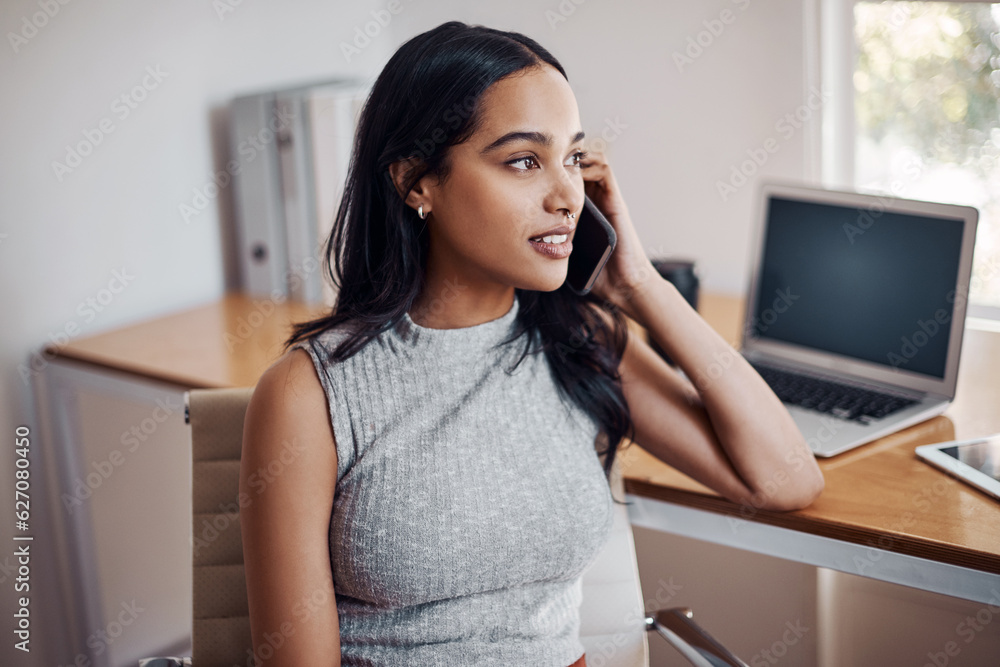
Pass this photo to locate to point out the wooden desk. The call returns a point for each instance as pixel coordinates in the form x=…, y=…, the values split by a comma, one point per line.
x=228, y=343
x=884, y=513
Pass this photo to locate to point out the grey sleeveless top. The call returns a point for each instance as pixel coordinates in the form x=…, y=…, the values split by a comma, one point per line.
x=469, y=499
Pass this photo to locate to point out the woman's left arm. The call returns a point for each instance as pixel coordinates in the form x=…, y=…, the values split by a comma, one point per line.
x=724, y=427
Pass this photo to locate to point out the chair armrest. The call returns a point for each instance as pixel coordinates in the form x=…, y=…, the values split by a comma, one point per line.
x=700, y=648
x=165, y=662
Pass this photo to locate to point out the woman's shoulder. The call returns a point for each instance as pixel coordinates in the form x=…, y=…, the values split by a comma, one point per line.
x=290, y=388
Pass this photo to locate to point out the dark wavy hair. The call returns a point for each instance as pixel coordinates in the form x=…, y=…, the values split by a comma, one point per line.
x=426, y=99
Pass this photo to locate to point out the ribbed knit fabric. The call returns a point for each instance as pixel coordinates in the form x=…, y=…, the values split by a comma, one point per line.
x=469, y=500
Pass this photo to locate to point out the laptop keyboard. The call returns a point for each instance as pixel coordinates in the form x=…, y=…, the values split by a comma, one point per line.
x=839, y=400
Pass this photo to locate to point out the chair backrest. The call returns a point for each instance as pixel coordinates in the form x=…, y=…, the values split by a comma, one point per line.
x=612, y=615
x=612, y=626
x=220, y=629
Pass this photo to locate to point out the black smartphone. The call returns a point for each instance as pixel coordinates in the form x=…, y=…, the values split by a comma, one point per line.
x=593, y=243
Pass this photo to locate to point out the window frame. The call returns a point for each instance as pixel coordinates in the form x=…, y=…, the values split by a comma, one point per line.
x=831, y=59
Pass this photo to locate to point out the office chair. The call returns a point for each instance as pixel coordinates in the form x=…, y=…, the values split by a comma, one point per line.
x=613, y=620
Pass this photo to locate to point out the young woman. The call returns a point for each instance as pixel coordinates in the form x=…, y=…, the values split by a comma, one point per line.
x=441, y=433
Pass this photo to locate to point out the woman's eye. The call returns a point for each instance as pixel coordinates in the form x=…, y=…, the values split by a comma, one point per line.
x=531, y=162
x=576, y=158
x=527, y=158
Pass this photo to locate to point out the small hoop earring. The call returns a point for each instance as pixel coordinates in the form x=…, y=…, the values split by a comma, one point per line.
x=420, y=212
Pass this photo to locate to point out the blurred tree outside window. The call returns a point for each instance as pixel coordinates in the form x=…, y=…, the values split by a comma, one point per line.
x=927, y=108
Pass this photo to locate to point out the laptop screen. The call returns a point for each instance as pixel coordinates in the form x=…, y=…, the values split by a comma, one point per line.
x=870, y=284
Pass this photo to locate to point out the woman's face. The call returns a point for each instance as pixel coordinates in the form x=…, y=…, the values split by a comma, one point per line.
x=515, y=179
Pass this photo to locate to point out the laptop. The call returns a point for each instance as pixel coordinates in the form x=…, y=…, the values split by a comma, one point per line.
x=856, y=309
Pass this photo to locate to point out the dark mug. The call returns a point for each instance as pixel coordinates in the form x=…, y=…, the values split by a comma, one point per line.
x=683, y=276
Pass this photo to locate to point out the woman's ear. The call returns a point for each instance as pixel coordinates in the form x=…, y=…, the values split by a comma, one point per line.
x=400, y=172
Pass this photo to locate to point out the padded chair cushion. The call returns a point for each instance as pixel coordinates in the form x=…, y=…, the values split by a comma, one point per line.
x=221, y=617
x=612, y=616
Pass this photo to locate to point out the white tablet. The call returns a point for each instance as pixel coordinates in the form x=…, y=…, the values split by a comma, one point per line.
x=976, y=462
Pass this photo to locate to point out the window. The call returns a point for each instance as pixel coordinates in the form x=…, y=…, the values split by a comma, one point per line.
x=926, y=86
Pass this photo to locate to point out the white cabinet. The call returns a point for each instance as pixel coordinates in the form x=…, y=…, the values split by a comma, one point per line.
x=116, y=456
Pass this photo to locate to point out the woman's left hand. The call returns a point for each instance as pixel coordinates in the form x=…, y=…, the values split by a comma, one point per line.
x=628, y=269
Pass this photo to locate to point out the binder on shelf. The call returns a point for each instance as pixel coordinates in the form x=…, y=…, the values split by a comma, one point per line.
x=294, y=148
